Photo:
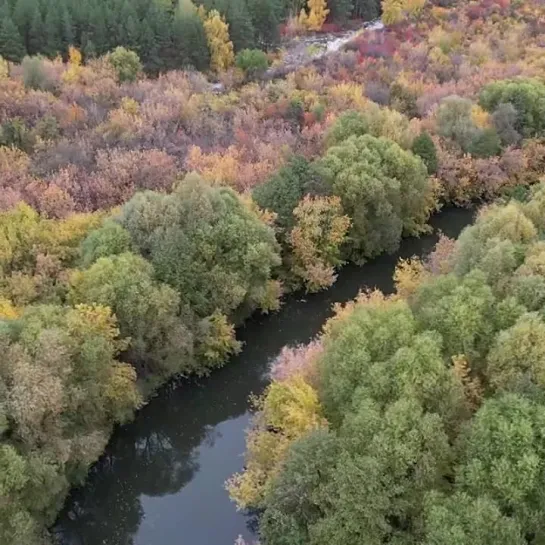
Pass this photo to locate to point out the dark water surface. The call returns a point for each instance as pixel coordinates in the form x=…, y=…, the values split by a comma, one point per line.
x=160, y=481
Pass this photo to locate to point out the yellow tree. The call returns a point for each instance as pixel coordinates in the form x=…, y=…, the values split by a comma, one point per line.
x=221, y=48
x=317, y=14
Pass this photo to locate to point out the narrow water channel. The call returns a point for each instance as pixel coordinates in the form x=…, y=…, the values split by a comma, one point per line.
x=160, y=481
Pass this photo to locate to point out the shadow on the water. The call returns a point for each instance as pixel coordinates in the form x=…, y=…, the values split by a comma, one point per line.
x=160, y=481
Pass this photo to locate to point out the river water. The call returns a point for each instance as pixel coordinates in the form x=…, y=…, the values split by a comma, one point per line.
x=160, y=481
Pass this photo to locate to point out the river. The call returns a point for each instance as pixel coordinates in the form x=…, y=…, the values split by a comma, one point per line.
x=160, y=481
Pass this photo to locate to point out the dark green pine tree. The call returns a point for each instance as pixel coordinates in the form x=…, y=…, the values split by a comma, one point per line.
x=53, y=35
x=160, y=23
x=23, y=13
x=36, y=36
x=97, y=30
x=189, y=39
x=11, y=43
x=340, y=10
x=66, y=31
x=265, y=21
x=368, y=10
x=148, y=49
x=241, y=28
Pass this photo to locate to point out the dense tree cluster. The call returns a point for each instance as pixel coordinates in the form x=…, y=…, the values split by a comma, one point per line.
x=166, y=34
x=416, y=417
x=95, y=312
x=142, y=218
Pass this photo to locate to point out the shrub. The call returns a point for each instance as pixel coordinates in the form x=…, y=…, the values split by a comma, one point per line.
x=424, y=147
x=527, y=96
x=485, y=143
x=126, y=64
x=252, y=61
x=35, y=75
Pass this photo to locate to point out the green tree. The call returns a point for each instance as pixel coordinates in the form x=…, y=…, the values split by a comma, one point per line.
x=110, y=239
x=384, y=190
x=485, y=143
x=189, y=38
x=527, y=96
x=368, y=10
x=241, y=28
x=454, y=120
x=146, y=310
x=424, y=147
x=36, y=34
x=252, y=61
x=126, y=64
x=464, y=520
x=23, y=14
x=340, y=10
x=282, y=192
x=204, y=242
x=502, y=458
x=11, y=44
x=265, y=21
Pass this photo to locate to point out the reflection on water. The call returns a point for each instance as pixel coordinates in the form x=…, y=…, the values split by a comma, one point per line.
x=160, y=481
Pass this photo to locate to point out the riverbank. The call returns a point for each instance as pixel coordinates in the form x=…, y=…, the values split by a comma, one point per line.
x=163, y=475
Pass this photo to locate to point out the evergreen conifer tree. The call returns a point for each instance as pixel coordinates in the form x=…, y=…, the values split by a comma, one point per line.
x=53, y=37
x=241, y=29
x=36, y=35
x=189, y=37
x=265, y=21
x=11, y=43
x=23, y=13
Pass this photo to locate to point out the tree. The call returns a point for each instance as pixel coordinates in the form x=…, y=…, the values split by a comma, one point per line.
x=252, y=61
x=505, y=118
x=464, y=520
x=485, y=143
x=36, y=34
x=146, y=310
x=11, y=44
x=53, y=31
x=241, y=28
x=189, y=37
x=502, y=458
x=340, y=10
x=265, y=21
x=527, y=96
x=282, y=192
x=126, y=63
x=383, y=189
x=454, y=120
x=368, y=10
x=110, y=239
x=23, y=13
x=221, y=48
x=424, y=147
x=316, y=240
x=204, y=242
x=317, y=14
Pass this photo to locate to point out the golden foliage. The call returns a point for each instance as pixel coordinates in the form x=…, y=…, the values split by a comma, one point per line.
x=408, y=275
x=4, y=68
x=480, y=117
x=222, y=54
x=473, y=389
x=287, y=410
x=7, y=310
x=316, y=239
x=317, y=14
x=74, y=70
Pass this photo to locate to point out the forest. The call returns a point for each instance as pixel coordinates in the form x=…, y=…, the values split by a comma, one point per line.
x=416, y=417
x=166, y=35
x=144, y=215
